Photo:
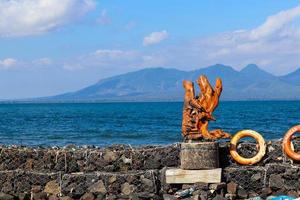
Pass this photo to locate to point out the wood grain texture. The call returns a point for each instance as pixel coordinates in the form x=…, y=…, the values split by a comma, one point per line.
x=197, y=110
x=181, y=176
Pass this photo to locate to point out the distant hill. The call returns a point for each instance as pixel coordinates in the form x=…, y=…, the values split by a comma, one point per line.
x=163, y=84
x=292, y=78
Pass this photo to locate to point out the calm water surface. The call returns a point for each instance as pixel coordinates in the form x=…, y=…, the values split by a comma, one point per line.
x=133, y=123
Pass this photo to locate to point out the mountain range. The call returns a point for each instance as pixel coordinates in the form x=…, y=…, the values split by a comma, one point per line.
x=165, y=84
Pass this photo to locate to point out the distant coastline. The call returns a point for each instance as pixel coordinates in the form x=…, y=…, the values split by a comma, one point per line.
x=165, y=85
x=130, y=101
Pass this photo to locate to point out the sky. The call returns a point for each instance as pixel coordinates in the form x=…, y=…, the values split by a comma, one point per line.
x=49, y=47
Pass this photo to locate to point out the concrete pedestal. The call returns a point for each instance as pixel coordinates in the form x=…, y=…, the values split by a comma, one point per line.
x=199, y=155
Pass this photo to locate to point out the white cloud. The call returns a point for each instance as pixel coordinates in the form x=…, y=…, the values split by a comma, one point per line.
x=11, y=63
x=31, y=17
x=7, y=63
x=112, y=54
x=275, y=23
x=155, y=37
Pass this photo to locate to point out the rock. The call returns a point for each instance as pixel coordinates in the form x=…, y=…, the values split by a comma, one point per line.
x=197, y=192
x=168, y=197
x=280, y=158
x=100, y=197
x=127, y=189
x=242, y=193
x=112, y=179
x=252, y=194
x=219, y=197
x=197, y=186
x=36, y=188
x=110, y=156
x=276, y=181
x=143, y=195
x=265, y=192
x=217, y=186
x=271, y=149
x=65, y=198
x=232, y=187
x=87, y=196
x=24, y=196
x=211, y=194
x=39, y=196
x=201, y=186
x=203, y=195
x=109, y=168
x=53, y=197
x=256, y=177
x=4, y=196
x=7, y=187
x=98, y=187
x=111, y=197
x=52, y=187
x=152, y=163
x=29, y=164
x=187, y=186
x=126, y=160
x=147, y=185
x=195, y=197
x=230, y=196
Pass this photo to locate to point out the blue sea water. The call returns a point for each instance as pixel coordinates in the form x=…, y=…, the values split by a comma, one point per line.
x=103, y=124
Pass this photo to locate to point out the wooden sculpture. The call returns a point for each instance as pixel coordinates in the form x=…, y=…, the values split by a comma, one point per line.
x=197, y=111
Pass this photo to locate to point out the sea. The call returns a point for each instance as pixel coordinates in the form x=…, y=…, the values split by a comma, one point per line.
x=151, y=123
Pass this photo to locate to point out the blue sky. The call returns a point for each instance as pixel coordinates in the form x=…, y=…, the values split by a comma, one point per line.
x=51, y=47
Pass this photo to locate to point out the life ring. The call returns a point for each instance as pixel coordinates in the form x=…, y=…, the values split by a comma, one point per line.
x=257, y=157
x=287, y=143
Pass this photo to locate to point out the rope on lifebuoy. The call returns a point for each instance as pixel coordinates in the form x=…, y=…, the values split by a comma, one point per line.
x=247, y=161
x=287, y=143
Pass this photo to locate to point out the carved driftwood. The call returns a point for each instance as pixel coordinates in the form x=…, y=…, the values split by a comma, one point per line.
x=197, y=111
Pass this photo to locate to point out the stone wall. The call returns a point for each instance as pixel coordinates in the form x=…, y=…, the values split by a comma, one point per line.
x=123, y=172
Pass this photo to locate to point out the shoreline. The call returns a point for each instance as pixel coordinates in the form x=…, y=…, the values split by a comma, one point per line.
x=132, y=101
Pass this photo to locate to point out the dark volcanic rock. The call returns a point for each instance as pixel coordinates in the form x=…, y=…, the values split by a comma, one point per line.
x=87, y=196
x=4, y=196
x=123, y=172
x=276, y=181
